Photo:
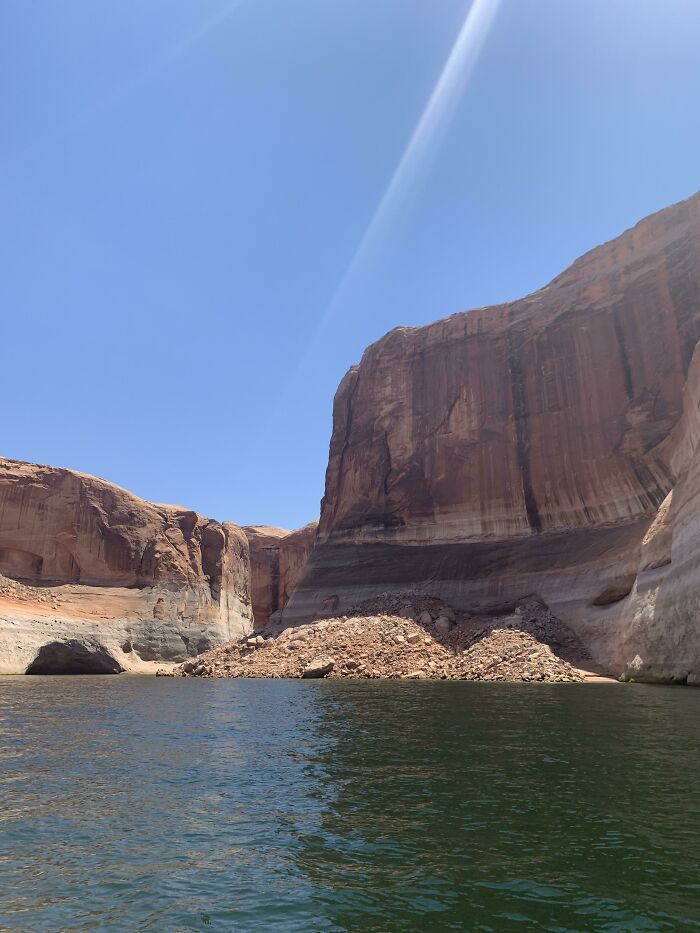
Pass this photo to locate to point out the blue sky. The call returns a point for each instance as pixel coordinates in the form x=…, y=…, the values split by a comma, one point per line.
x=184, y=185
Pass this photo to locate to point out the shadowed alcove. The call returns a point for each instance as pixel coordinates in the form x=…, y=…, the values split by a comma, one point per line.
x=73, y=657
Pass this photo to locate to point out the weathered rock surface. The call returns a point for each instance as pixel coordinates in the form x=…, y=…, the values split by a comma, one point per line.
x=83, y=562
x=530, y=448
x=295, y=550
x=264, y=544
x=319, y=667
x=277, y=561
x=657, y=628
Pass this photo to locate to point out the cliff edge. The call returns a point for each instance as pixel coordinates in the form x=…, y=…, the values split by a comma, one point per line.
x=529, y=448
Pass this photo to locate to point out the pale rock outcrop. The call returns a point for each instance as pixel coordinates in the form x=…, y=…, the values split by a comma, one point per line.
x=540, y=446
x=660, y=623
x=84, y=562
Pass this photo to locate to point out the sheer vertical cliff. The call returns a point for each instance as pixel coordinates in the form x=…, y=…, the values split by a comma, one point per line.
x=277, y=562
x=521, y=448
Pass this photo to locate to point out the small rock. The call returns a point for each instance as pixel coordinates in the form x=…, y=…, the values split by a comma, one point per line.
x=425, y=618
x=413, y=637
x=443, y=625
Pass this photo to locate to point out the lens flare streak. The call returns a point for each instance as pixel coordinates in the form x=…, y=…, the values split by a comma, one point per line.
x=424, y=142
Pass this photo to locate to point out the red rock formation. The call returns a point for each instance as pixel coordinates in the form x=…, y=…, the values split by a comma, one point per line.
x=520, y=448
x=158, y=581
x=264, y=543
x=277, y=561
x=295, y=549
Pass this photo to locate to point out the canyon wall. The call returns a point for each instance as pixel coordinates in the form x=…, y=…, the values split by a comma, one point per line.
x=86, y=563
x=657, y=631
x=277, y=562
x=547, y=446
x=264, y=544
x=530, y=448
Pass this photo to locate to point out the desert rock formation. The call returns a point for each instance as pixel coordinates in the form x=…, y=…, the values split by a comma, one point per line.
x=543, y=449
x=531, y=448
x=87, y=565
x=277, y=562
x=264, y=545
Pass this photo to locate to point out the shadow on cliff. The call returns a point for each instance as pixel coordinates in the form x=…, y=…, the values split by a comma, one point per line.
x=73, y=657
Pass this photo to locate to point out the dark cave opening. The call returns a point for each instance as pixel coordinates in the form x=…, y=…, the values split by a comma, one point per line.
x=73, y=657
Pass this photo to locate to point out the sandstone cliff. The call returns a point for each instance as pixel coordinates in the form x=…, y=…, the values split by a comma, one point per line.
x=657, y=630
x=277, y=561
x=85, y=562
x=526, y=448
x=264, y=545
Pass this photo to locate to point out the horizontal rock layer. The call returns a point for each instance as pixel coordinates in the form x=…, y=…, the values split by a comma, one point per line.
x=530, y=448
x=82, y=559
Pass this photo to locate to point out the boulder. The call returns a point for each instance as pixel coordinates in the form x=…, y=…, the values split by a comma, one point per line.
x=443, y=624
x=320, y=667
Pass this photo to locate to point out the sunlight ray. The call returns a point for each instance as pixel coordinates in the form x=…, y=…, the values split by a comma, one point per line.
x=421, y=148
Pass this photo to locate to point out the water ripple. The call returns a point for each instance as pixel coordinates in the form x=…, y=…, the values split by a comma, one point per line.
x=136, y=803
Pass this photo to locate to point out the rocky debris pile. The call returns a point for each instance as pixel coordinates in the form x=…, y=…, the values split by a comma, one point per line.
x=23, y=593
x=427, y=610
x=418, y=639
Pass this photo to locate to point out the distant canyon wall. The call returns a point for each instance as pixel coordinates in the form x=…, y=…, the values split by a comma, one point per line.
x=85, y=562
x=277, y=562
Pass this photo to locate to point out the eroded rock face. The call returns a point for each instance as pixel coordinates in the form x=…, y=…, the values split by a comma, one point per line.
x=295, y=549
x=540, y=415
x=658, y=628
x=264, y=544
x=83, y=559
x=525, y=448
x=277, y=561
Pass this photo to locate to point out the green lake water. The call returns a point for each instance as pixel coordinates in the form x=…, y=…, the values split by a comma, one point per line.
x=136, y=803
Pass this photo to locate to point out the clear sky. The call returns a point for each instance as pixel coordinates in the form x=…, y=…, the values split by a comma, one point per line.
x=208, y=209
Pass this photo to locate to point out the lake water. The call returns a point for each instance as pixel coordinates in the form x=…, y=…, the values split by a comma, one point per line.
x=158, y=804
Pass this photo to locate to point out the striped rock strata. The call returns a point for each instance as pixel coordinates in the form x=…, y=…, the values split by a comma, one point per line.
x=94, y=578
x=532, y=448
